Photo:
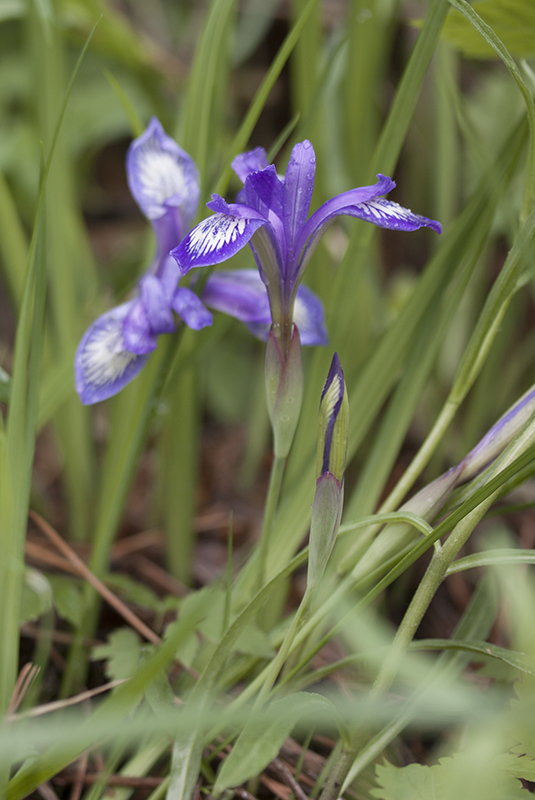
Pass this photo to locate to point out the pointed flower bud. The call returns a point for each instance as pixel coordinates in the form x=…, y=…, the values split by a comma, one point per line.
x=284, y=390
x=334, y=421
x=332, y=447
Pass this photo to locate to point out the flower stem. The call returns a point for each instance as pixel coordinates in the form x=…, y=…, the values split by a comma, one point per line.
x=272, y=499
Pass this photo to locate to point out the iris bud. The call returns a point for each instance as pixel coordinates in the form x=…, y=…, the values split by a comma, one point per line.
x=333, y=424
x=331, y=459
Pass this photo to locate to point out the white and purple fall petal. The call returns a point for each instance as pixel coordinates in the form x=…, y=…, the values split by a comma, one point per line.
x=103, y=365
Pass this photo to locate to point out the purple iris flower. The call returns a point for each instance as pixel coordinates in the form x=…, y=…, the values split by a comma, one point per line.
x=271, y=216
x=165, y=184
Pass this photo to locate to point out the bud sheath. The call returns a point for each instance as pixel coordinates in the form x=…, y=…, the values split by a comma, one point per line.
x=284, y=390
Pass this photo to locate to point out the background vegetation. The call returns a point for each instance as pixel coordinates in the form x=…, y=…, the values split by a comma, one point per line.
x=137, y=519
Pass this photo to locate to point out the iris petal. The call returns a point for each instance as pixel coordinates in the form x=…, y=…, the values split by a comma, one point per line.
x=160, y=173
x=192, y=310
x=264, y=191
x=239, y=293
x=137, y=335
x=248, y=162
x=386, y=214
x=339, y=205
x=365, y=203
x=242, y=294
x=159, y=314
x=298, y=188
x=309, y=316
x=103, y=366
x=214, y=240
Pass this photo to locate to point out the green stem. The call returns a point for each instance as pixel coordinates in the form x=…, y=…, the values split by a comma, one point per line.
x=275, y=483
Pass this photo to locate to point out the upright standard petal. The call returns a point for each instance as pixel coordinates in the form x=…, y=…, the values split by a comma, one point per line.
x=264, y=191
x=251, y=161
x=103, y=366
x=161, y=174
x=298, y=189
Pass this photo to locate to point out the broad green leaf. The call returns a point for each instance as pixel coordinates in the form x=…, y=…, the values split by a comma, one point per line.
x=159, y=694
x=520, y=766
x=464, y=776
x=121, y=653
x=414, y=782
x=36, y=596
x=264, y=735
x=513, y=21
x=67, y=598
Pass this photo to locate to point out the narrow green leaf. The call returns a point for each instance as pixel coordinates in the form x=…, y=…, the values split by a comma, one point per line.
x=5, y=386
x=520, y=661
x=246, y=128
x=492, y=558
x=13, y=244
x=135, y=121
x=208, y=64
